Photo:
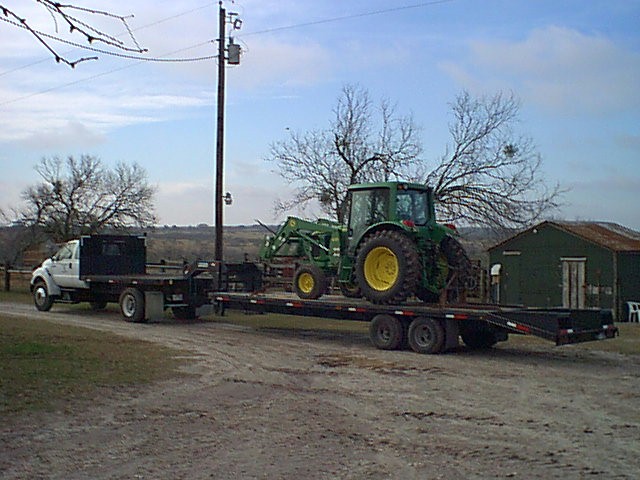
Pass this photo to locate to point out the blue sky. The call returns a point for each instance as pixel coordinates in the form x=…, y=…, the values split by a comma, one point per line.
x=575, y=65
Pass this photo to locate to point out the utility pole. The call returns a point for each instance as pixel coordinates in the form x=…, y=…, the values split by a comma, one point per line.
x=234, y=59
x=220, y=137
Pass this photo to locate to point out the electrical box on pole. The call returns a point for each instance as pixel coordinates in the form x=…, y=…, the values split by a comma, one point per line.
x=233, y=52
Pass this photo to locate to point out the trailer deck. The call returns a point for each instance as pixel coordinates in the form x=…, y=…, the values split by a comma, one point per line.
x=480, y=325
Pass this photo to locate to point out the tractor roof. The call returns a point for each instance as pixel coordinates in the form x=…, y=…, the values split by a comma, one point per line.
x=398, y=185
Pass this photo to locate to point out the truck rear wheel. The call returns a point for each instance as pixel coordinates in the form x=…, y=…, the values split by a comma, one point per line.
x=426, y=335
x=386, y=332
x=41, y=298
x=386, y=268
x=132, y=305
x=309, y=282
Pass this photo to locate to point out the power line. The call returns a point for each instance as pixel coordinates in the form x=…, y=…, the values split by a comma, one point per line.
x=260, y=32
x=93, y=77
x=133, y=57
x=348, y=17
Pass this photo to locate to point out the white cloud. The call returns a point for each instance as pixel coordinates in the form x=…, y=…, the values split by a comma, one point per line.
x=557, y=68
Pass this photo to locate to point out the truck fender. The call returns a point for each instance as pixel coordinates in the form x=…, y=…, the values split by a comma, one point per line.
x=42, y=273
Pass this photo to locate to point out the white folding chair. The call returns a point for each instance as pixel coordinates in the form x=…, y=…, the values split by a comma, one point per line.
x=634, y=311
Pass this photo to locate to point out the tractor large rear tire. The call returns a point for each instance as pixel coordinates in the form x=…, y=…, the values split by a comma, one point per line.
x=387, y=267
x=459, y=269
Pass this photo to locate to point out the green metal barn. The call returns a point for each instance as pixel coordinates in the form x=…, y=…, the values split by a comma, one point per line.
x=570, y=265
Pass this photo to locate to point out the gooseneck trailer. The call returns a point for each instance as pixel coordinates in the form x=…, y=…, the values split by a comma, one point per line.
x=102, y=269
x=428, y=328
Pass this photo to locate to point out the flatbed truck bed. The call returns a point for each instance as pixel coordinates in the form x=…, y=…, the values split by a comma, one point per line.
x=433, y=328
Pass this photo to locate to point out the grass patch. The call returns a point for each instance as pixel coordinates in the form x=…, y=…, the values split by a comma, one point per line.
x=16, y=296
x=43, y=364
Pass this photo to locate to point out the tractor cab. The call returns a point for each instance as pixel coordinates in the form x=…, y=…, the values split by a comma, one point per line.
x=405, y=206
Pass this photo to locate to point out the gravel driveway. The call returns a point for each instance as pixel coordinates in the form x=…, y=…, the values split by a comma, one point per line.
x=305, y=406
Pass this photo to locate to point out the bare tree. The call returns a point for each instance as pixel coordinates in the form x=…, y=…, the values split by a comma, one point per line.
x=490, y=176
x=77, y=20
x=82, y=196
x=15, y=240
x=362, y=144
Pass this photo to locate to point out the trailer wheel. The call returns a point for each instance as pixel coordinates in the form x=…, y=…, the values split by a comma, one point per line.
x=184, y=313
x=386, y=332
x=478, y=338
x=386, y=268
x=426, y=335
x=41, y=297
x=309, y=282
x=132, y=305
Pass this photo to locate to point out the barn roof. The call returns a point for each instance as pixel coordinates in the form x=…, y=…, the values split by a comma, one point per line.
x=606, y=234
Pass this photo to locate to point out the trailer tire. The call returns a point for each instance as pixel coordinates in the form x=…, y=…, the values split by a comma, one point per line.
x=184, y=313
x=478, y=338
x=386, y=268
x=309, y=282
x=386, y=332
x=41, y=297
x=132, y=305
x=426, y=335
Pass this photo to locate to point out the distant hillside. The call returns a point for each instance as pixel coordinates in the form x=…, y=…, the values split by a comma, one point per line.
x=176, y=243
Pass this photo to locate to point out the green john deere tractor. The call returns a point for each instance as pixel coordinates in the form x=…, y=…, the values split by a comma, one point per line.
x=390, y=249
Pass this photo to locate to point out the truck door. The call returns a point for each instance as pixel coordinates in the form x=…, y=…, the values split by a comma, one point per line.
x=65, y=267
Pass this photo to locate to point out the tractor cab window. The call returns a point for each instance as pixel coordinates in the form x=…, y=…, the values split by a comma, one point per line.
x=413, y=205
x=368, y=207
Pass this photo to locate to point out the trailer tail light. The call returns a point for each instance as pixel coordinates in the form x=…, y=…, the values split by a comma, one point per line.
x=409, y=223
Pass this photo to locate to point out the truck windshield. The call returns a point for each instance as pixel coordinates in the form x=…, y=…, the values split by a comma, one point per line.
x=413, y=205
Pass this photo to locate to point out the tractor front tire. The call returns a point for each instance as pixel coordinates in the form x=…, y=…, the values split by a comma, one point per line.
x=309, y=282
x=387, y=267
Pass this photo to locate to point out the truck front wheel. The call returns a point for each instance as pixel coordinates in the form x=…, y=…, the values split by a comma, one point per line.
x=132, y=305
x=41, y=296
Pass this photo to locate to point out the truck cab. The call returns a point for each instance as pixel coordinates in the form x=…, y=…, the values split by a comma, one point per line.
x=64, y=266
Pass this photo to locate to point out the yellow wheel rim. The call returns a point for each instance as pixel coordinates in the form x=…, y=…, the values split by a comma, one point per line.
x=306, y=282
x=381, y=268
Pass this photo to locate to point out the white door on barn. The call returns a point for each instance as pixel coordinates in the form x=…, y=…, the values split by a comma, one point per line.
x=573, y=282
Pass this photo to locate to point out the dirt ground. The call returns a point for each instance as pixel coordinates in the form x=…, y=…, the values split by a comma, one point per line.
x=306, y=406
